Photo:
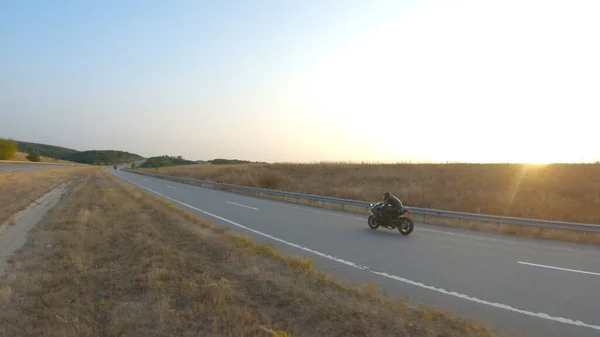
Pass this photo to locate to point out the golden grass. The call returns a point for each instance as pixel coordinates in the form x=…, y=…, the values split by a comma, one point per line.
x=21, y=188
x=564, y=192
x=113, y=260
x=22, y=156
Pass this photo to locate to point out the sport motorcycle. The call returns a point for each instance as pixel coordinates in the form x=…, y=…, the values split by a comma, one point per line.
x=403, y=223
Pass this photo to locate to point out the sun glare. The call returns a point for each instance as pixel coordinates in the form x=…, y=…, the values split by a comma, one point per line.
x=449, y=99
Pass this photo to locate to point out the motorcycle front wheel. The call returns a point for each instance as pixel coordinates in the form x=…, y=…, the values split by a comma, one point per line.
x=406, y=226
x=372, y=223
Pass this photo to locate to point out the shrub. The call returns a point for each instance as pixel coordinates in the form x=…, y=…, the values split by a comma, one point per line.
x=8, y=147
x=34, y=156
x=270, y=181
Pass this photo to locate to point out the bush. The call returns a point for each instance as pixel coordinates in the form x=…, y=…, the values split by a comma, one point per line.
x=270, y=181
x=133, y=166
x=8, y=147
x=34, y=156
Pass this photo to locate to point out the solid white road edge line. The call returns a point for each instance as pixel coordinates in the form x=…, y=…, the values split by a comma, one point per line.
x=233, y=203
x=558, y=268
x=393, y=277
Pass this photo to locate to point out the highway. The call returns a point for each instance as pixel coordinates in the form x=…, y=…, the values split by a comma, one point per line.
x=538, y=287
x=22, y=167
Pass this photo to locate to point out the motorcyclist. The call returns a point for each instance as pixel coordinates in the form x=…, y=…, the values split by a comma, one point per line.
x=392, y=205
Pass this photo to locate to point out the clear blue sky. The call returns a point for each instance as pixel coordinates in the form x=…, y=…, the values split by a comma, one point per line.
x=304, y=80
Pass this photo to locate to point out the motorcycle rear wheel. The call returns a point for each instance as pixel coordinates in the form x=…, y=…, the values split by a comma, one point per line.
x=372, y=223
x=406, y=226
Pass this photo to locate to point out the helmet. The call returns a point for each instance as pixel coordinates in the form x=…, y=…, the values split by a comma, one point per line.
x=386, y=194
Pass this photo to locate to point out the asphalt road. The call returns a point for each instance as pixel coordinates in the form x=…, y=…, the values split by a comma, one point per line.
x=21, y=167
x=509, y=282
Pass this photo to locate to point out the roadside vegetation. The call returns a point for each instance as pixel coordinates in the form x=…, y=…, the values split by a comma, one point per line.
x=34, y=156
x=113, y=260
x=8, y=148
x=564, y=192
x=21, y=188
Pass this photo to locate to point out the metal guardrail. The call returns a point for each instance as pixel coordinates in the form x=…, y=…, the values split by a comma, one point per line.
x=416, y=210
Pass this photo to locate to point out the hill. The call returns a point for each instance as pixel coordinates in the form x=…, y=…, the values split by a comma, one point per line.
x=22, y=156
x=165, y=161
x=94, y=157
x=45, y=150
x=104, y=157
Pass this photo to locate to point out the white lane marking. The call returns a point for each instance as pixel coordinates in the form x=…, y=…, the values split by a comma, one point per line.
x=233, y=203
x=173, y=187
x=145, y=179
x=558, y=268
x=393, y=277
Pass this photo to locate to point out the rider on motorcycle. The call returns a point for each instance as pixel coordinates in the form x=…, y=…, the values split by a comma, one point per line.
x=392, y=205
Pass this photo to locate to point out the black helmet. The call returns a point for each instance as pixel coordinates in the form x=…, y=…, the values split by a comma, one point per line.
x=386, y=194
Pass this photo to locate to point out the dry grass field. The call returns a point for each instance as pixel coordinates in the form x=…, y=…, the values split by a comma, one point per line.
x=113, y=260
x=18, y=189
x=564, y=192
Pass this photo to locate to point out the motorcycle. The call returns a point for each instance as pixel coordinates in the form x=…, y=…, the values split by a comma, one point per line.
x=404, y=224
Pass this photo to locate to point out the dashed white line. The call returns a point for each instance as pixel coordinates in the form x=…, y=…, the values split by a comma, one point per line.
x=393, y=277
x=233, y=203
x=173, y=187
x=558, y=268
x=145, y=179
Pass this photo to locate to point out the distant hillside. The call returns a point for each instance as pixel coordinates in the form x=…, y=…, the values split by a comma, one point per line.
x=22, y=156
x=97, y=157
x=104, y=157
x=163, y=161
x=44, y=150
